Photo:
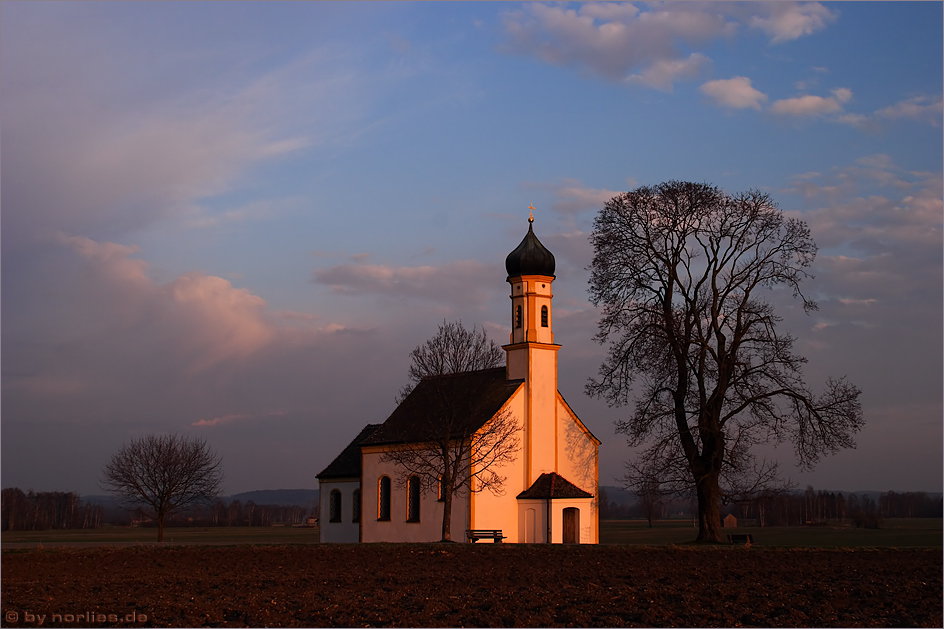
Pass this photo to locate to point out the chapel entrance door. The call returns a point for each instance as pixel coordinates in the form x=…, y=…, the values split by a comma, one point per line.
x=571, y=525
x=529, y=526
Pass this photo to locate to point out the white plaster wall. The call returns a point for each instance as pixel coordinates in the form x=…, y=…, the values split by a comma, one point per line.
x=587, y=526
x=346, y=531
x=577, y=456
x=538, y=526
x=397, y=529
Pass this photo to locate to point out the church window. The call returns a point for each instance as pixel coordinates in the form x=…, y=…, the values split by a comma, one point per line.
x=518, y=317
x=334, y=506
x=413, y=499
x=383, y=498
x=440, y=490
x=543, y=316
x=356, y=511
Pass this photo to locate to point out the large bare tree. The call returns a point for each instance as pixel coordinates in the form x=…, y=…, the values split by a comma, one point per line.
x=679, y=271
x=459, y=435
x=164, y=472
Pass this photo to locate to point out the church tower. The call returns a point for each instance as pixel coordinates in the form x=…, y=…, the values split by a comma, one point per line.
x=531, y=352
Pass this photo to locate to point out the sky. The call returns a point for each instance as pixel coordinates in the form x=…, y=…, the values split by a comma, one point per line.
x=236, y=220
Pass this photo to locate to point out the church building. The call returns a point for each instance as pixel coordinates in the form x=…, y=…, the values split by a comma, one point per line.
x=550, y=488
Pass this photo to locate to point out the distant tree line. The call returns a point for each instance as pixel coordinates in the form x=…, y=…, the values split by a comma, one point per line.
x=44, y=510
x=813, y=507
x=250, y=514
x=809, y=507
x=234, y=513
x=40, y=511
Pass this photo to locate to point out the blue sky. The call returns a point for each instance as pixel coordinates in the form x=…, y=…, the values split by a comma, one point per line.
x=235, y=220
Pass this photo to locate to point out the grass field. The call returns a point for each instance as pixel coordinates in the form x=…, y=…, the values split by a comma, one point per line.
x=895, y=533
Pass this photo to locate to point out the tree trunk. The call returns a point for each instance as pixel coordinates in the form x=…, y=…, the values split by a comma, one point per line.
x=160, y=528
x=709, y=514
x=447, y=515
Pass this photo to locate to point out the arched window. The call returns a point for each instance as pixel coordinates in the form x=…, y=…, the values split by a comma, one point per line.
x=334, y=506
x=413, y=499
x=518, y=317
x=543, y=316
x=383, y=498
x=440, y=490
x=356, y=514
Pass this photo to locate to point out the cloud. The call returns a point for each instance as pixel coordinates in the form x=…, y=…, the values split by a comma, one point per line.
x=211, y=320
x=810, y=105
x=662, y=74
x=920, y=108
x=92, y=147
x=226, y=419
x=648, y=45
x=878, y=281
x=462, y=282
x=736, y=93
x=573, y=197
x=613, y=40
x=787, y=21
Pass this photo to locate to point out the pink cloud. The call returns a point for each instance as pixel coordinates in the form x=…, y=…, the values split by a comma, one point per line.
x=225, y=419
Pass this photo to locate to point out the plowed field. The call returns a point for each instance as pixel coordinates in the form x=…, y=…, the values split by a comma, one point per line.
x=433, y=585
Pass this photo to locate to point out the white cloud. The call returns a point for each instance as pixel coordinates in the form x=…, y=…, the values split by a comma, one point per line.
x=613, y=40
x=573, y=197
x=736, y=93
x=787, y=21
x=462, y=282
x=662, y=74
x=810, y=105
x=920, y=108
x=649, y=45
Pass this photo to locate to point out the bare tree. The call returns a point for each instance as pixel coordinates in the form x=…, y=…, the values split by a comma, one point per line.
x=460, y=439
x=644, y=478
x=677, y=270
x=164, y=472
x=454, y=349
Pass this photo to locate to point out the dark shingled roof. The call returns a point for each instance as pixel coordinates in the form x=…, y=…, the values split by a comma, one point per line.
x=465, y=401
x=553, y=485
x=348, y=463
x=530, y=258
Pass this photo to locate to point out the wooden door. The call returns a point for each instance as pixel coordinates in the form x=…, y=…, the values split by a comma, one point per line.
x=571, y=525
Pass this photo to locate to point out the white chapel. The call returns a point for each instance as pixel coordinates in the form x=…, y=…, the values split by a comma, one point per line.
x=551, y=485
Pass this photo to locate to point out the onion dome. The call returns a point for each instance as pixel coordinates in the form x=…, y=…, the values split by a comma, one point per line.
x=531, y=257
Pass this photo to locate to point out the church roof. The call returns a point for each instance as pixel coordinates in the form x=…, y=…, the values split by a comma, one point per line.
x=462, y=402
x=348, y=463
x=553, y=485
x=530, y=257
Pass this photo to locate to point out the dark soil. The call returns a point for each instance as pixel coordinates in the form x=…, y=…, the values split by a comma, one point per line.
x=432, y=585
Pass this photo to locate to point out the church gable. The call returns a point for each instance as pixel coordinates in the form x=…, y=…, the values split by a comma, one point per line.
x=348, y=463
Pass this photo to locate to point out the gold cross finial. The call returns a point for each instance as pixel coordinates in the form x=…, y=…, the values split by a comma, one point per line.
x=531, y=214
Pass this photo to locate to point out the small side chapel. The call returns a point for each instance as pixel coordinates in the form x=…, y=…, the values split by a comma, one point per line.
x=550, y=488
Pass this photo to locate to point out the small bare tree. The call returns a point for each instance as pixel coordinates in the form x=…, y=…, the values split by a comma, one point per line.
x=454, y=349
x=164, y=472
x=464, y=439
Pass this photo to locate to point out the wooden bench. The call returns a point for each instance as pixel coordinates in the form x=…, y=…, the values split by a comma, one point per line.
x=741, y=538
x=494, y=534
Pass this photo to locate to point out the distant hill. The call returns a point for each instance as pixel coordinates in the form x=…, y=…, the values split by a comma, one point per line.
x=283, y=497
